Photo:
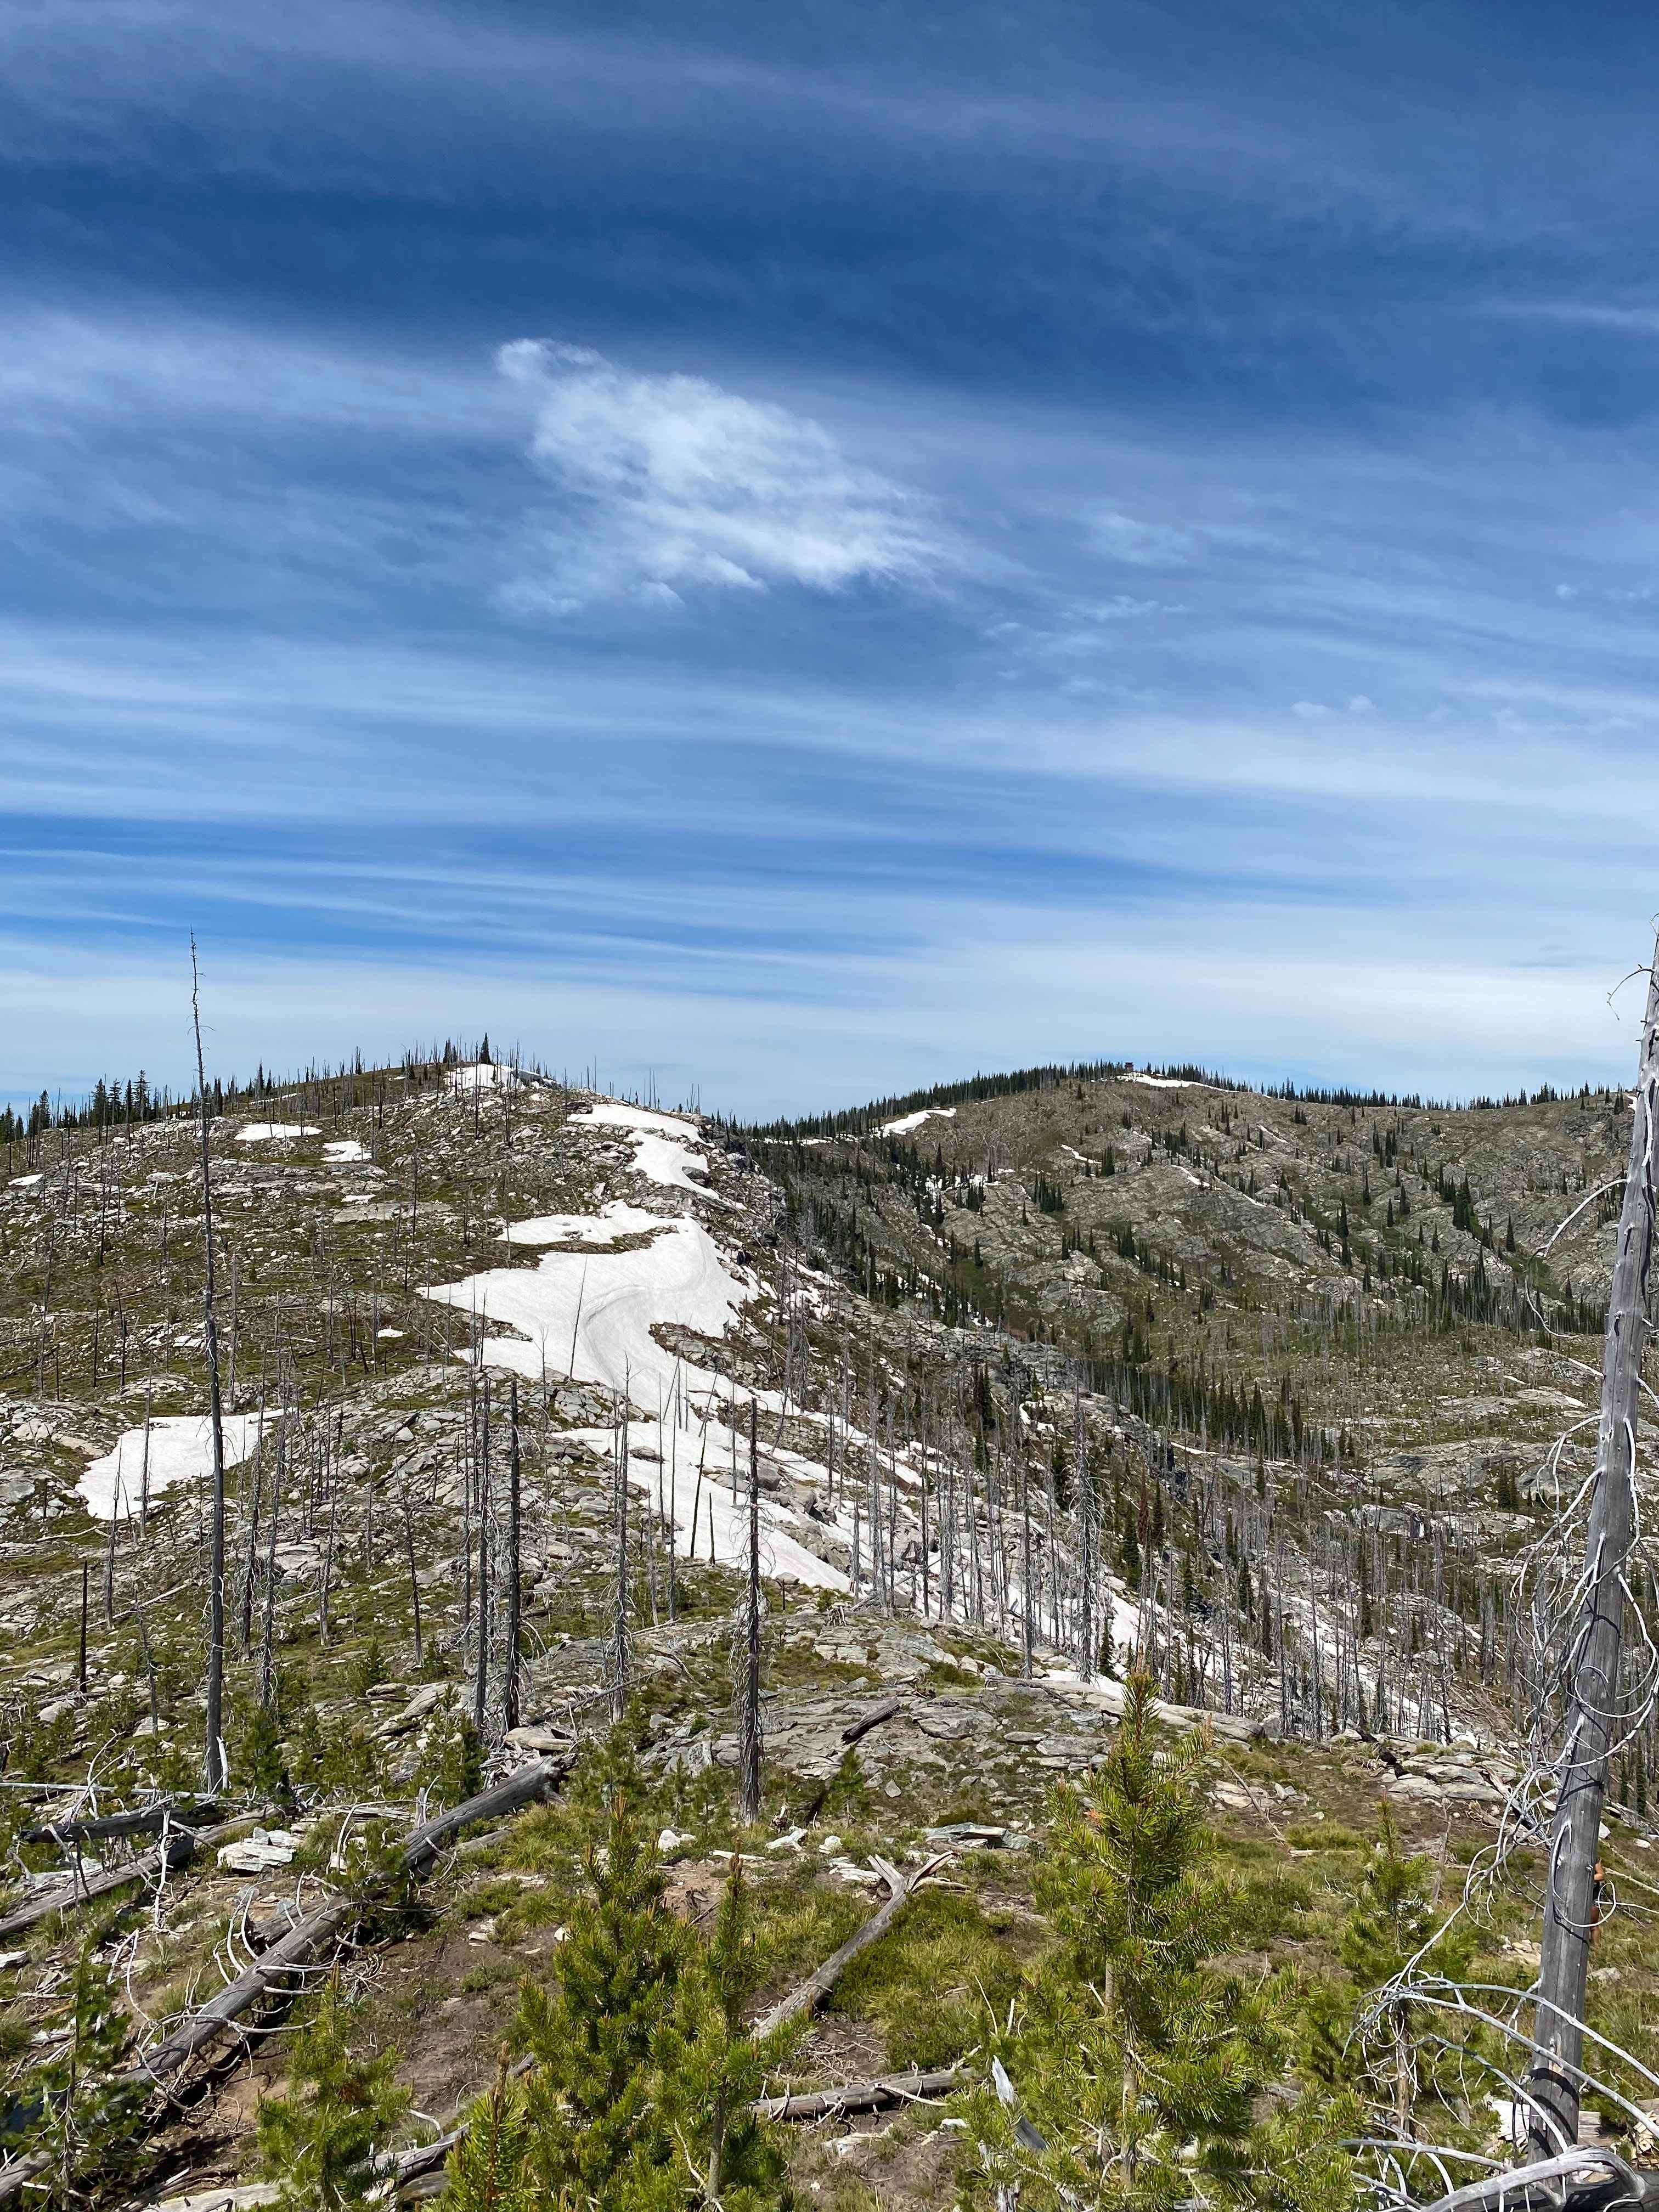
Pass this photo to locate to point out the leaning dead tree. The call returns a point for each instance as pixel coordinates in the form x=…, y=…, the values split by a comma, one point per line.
x=1594, y=1639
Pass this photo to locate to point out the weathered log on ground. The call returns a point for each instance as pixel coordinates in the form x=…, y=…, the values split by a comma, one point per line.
x=297, y=1948
x=307, y=1936
x=871, y=2096
x=304, y=1940
x=410, y=2169
x=856, y=1730
x=423, y=1843
x=185, y=1813
x=65, y=1897
x=817, y=1986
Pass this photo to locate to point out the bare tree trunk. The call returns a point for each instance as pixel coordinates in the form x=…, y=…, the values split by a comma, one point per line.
x=481, y=1678
x=216, y=1768
x=619, y=1642
x=251, y=1565
x=750, y=1745
x=1595, y=1637
x=1026, y=1620
x=267, y=1678
x=109, y=1556
x=1088, y=1539
x=414, y=1582
x=510, y=1664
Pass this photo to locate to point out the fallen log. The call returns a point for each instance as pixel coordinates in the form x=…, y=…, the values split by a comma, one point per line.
x=306, y=1937
x=297, y=1948
x=913, y=2087
x=856, y=1730
x=817, y=1986
x=522, y=1788
x=63, y=1897
x=188, y=1813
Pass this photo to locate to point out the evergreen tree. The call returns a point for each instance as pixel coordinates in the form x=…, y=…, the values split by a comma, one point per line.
x=89, y=2122
x=642, y=2095
x=488, y=2168
x=1392, y=1924
x=593, y=2029
x=705, y=2076
x=317, y=2141
x=1134, y=2074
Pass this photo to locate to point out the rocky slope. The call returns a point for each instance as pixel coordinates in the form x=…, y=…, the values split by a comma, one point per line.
x=1259, y=1388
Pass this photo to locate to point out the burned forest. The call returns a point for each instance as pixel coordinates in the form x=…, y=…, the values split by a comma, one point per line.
x=1079, y=1637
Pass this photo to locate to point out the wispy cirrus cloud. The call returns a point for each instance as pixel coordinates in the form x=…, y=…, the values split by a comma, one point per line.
x=671, y=484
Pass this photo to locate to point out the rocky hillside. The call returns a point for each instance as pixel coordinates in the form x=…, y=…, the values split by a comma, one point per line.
x=1093, y=1367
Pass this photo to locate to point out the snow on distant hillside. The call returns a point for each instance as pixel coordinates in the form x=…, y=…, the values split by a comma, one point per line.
x=907, y=1122
x=590, y=1314
x=665, y=1148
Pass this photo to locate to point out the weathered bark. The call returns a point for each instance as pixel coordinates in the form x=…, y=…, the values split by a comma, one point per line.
x=180, y=1848
x=481, y=1680
x=856, y=1730
x=149, y=1820
x=812, y=1993
x=749, y=1749
x=215, y=1765
x=319, y=1928
x=869, y=2096
x=1594, y=1635
x=619, y=1635
x=510, y=1664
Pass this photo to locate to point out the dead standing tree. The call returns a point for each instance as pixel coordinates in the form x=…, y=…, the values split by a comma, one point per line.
x=510, y=1663
x=750, y=1717
x=216, y=1768
x=1594, y=1639
x=619, y=1629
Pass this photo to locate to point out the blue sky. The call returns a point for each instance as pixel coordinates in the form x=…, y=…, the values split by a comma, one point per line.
x=802, y=552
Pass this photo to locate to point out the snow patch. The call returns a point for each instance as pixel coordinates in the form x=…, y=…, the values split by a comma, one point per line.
x=26, y=1182
x=181, y=1451
x=484, y=1075
x=665, y=1148
x=590, y=1315
x=267, y=1133
x=1160, y=1082
x=662, y=1462
x=339, y=1150
x=615, y=1220
x=906, y=1122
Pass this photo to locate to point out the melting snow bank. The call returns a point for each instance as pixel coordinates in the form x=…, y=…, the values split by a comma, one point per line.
x=665, y=1147
x=265, y=1132
x=904, y=1125
x=615, y=1220
x=181, y=1451
x=590, y=1314
x=687, y=1476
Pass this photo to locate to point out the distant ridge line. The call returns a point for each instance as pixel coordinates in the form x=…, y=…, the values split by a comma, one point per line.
x=867, y=1120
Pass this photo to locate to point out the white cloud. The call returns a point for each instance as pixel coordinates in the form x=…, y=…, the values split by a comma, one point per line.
x=1309, y=710
x=1359, y=704
x=674, y=484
